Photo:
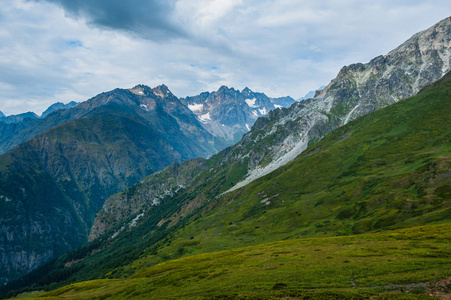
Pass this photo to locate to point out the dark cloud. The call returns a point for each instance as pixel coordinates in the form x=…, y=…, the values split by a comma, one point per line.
x=151, y=19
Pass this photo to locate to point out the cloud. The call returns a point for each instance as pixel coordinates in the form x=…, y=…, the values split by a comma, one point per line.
x=64, y=50
x=148, y=18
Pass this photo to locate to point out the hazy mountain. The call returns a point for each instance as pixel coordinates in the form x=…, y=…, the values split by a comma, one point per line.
x=229, y=113
x=2, y=115
x=18, y=118
x=282, y=101
x=58, y=106
x=312, y=94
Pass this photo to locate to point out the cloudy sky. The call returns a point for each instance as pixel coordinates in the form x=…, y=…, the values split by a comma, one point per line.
x=63, y=50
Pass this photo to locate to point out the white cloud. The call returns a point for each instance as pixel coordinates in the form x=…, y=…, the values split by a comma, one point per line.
x=65, y=52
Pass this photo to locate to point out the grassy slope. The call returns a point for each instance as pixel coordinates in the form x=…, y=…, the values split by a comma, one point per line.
x=356, y=266
x=386, y=170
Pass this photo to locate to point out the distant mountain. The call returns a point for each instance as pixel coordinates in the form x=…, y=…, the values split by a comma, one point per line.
x=229, y=119
x=52, y=185
x=312, y=94
x=18, y=118
x=282, y=101
x=16, y=129
x=229, y=113
x=58, y=106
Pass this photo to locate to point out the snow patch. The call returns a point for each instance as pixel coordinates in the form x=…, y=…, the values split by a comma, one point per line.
x=117, y=232
x=248, y=128
x=5, y=198
x=205, y=118
x=143, y=106
x=350, y=114
x=445, y=57
x=251, y=102
x=255, y=113
x=136, y=219
x=277, y=106
x=262, y=111
x=195, y=107
x=130, y=225
x=141, y=92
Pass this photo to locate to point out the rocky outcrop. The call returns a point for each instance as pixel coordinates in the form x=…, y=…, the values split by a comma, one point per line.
x=362, y=88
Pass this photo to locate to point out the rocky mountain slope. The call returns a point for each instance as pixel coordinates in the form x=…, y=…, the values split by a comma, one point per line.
x=229, y=113
x=386, y=170
x=52, y=185
x=283, y=134
x=357, y=90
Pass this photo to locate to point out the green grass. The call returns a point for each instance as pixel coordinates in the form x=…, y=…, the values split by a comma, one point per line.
x=377, y=263
x=28, y=295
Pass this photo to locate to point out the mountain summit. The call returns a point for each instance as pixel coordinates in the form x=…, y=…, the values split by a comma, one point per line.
x=229, y=113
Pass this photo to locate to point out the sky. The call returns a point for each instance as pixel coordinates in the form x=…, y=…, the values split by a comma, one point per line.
x=71, y=50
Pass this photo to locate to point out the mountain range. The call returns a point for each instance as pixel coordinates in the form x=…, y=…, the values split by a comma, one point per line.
x=84, y=153
x=340, y=163
x=283, y=134
x=337, y=187
x=229, y=113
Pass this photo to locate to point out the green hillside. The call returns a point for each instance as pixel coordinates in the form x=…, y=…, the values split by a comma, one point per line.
x=401, y=264
x=387, y=170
